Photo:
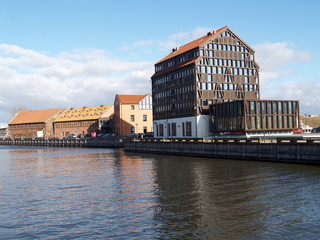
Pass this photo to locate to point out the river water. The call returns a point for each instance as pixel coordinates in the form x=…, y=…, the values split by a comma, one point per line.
x=83, y=193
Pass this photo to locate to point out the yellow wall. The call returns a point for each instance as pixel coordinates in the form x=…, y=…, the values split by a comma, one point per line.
x=138, y=123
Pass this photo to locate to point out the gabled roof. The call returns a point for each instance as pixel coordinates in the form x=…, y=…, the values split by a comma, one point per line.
x=85, y=113
x=191, y=45
x=131, y=99
x=36, y=116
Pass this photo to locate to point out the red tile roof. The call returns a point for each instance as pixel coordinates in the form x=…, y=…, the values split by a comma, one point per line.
x=37, y=116
x=131, y=99
x=191, y=45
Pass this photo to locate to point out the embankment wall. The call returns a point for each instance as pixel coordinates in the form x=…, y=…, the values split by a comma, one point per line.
x=293, y=152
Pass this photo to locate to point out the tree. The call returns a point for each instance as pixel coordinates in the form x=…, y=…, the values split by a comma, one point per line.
x=15, y=110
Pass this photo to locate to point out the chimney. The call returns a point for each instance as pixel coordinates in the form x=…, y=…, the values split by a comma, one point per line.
x=175, y=49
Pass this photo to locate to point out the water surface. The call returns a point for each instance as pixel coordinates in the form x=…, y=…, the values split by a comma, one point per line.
x=83, y=193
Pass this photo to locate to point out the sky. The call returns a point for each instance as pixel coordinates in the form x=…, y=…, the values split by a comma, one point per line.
x=75, y=53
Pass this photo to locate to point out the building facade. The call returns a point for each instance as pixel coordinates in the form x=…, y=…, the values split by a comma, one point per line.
x=259, y=117
x=31, y=124
x=82, y=121
x=133, y=114
x=216, y=68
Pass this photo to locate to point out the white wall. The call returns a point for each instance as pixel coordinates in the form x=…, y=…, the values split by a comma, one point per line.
x=199, y=127
x=203, y=126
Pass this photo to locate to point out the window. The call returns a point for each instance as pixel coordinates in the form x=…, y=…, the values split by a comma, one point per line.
x=188, y=129
x=132, y=118
x=132, y=107
x=174, y=129
x=157, y=130
x=161, y=130
x=144, y=117
x=132, y=129
x=204, y=86
x=183, y=132
x=214, y=70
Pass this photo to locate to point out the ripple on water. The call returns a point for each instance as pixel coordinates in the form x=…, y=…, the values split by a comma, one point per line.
x=108, y=194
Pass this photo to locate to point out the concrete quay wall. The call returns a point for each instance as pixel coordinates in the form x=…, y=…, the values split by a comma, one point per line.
x=294, y=152
x=112, y=142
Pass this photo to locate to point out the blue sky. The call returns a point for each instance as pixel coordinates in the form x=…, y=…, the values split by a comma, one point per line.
x=52, y=52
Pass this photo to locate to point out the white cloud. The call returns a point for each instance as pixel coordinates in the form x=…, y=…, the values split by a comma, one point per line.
x=279, y=60
x=308, y=94
x=82, y=77
x=181, y=38
x=273, y=57
x=141, y=44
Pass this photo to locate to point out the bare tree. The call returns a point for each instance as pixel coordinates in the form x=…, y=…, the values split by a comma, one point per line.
x=15, y=110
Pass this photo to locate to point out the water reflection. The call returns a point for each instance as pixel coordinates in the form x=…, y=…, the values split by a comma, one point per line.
x=214, y=199
x=79, y=190
x=109, y=194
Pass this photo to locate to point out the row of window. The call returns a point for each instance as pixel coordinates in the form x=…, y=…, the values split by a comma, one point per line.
x=255, y=123
x=223, y=70
x=178, y=74
x=28, y=135
x=269, y=107
x=75, y=124
x=174, y=99
x=175, y=91
x=227, y=86
x=144, y=118
x=30, y=125
x=271, y=122
x=165, y=108
x=256, y=108
x=172, y=129
x=224, y=47
x=227, y=62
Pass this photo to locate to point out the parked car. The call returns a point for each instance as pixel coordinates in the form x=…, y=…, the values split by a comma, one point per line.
x=148, y=135
x=93, y=134
x=102, y=135
x=133, y=135
x=88, y=135
x=111, y=134
x=72, y=136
